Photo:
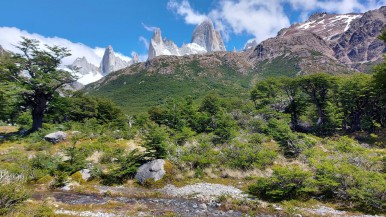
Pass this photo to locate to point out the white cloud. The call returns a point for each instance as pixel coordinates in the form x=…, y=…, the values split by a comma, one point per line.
x=10, y=36
x=144, y=41
x=184, y=9
x=259, y=18
x=149, y=28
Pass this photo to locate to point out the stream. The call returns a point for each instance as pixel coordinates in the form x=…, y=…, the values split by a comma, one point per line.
x=154, y=206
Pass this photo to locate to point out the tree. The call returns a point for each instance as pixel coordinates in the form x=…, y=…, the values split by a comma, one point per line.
x=264, y=92
x=36, y=71
x=356, y=98
x=10, y=100
x=290, y=86
x=317, y=87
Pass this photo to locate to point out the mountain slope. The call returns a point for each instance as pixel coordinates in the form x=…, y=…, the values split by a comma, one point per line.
x=324, y=43
x=143, y=85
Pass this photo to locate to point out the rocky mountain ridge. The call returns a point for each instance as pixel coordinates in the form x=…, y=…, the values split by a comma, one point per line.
x=327, y=42
x=205, y=39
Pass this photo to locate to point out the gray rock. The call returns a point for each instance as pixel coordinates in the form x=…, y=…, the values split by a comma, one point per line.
x=56, y=137
x=203, y=206
x=86, y=174
x=153, y=169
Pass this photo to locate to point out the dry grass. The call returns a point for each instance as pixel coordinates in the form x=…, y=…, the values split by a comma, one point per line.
x=8, y=129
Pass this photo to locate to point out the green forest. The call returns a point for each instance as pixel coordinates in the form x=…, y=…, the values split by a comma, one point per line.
x=316, y=138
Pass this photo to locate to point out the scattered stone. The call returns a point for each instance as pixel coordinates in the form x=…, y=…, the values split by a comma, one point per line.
x=203, y=206
x=86, y=174
x=151, y=170
x=84, y=213
x=56, y=137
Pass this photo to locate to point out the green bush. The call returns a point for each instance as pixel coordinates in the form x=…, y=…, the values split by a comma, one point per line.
x=45, y=162
x=155, y=142
x=12, y=194
x=247, y=156
x=286, y=183
x=200, y=156
x=125, y=167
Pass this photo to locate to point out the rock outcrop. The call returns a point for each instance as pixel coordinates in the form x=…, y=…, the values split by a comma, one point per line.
x=151, y=170
x=56, y=137
x=207, y=37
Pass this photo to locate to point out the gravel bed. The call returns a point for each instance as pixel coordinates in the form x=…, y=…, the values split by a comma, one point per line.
x=203, y=191
x=84, y=213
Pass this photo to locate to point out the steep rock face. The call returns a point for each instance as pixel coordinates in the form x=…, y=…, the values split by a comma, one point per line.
x=359, y=44
x=111, y=63
x=156, y=47
x=207, y=37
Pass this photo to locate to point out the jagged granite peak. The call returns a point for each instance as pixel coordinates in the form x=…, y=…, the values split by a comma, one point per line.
x=83, y=66
x=111, y=63
x=157, y=36
x=135, y=58
x=156, y=46
x=85, y=71
x=207, y=37
x=165, y=47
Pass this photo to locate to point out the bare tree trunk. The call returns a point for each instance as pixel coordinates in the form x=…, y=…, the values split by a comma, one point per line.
x=37, y=114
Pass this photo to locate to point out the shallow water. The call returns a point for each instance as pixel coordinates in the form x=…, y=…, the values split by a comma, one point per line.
x=154, y=206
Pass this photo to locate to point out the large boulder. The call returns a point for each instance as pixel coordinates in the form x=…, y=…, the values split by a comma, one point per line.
x=56, y=137
x=151, y=170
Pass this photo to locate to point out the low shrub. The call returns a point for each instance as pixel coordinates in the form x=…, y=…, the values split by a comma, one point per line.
x=11, y=195
x=286, y=183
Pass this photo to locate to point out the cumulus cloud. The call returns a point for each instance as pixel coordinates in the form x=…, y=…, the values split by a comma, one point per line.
x=261, y=18
x=149, y=28
x=184, y=9
x=10, y=36
x=144, y=41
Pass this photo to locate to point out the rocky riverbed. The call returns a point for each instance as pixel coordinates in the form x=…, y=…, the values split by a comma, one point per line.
x=200, y=199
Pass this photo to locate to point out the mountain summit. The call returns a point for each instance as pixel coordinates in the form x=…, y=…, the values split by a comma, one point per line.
x=111, y=63
x=205, y=39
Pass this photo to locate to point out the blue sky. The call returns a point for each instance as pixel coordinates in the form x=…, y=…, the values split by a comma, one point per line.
x=121, y=23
